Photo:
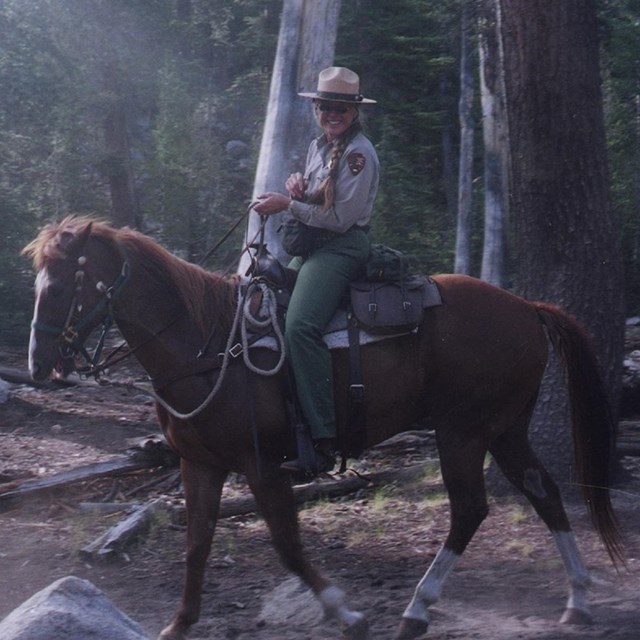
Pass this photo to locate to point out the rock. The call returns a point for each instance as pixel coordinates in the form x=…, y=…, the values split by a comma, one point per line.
x=4, y=391
x=72, y=609
x=290, y=600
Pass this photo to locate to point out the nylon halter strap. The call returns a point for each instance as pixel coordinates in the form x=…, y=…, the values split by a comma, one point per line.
x=70, y=345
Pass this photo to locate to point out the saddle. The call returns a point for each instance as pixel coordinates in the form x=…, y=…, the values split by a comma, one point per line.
x=389, y=302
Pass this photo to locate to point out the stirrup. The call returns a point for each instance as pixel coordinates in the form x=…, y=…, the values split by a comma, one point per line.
x=324, y=462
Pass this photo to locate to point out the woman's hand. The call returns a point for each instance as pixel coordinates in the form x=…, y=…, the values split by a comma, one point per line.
x=271, y=202
x=295, y=184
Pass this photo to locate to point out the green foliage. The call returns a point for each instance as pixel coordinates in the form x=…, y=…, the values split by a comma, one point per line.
x=191, y=81
x=15, y=276
x=406, y=54
x=621, y=72
x=191, y=88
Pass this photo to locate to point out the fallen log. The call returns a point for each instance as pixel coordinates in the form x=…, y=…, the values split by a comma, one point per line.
x=113, y=542
x=116, y=467
x=342, y=486
x=144, y=457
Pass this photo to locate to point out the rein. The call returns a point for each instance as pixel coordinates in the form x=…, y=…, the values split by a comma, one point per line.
x=243, y=319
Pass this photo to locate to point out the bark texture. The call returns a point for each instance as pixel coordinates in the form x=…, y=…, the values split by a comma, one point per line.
x=567, y=250
x=306, y=45
x=494, y=133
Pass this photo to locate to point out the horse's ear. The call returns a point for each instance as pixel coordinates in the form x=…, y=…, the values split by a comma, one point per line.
x=70, y=241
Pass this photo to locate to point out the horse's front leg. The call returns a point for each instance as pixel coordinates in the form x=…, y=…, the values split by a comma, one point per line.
x=275, y=500
x=202, y=491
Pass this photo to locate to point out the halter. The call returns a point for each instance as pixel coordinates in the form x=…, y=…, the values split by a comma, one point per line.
x=68, y=335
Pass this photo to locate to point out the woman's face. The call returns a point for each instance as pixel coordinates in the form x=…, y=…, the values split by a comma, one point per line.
x=335, y=117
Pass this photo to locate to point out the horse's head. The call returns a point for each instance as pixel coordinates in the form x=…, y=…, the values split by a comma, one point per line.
x=77, y=278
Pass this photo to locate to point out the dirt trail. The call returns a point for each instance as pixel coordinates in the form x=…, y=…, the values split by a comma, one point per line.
x=375, y=544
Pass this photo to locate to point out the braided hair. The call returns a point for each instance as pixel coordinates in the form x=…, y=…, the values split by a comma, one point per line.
x=325, y=193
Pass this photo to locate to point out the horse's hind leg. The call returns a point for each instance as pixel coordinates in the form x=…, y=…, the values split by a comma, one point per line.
x=513, y=454
x=275, y=500
x=462, y=473
x=202, y=490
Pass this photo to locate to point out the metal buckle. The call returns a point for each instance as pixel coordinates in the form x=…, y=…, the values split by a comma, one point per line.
x=356, y=392
x=236, y=350
x=69, y=335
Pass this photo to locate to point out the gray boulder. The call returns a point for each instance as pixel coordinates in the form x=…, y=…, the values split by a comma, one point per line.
x=72, y=609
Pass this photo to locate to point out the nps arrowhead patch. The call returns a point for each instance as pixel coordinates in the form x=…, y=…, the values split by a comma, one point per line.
x=356, y=162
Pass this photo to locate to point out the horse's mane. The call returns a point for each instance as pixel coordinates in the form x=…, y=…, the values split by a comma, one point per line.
x=206, y=295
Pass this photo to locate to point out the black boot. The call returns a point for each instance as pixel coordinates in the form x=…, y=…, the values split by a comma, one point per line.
x=325, y=460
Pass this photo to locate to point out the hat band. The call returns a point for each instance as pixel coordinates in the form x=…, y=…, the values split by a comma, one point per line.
x=330, y=95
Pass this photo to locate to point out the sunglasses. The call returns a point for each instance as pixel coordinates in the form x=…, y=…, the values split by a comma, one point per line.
x=328, y=107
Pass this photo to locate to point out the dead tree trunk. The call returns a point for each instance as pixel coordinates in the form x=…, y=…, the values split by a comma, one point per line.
x=467, y=130
x=117, y=165
x=306, y=45
x=494, y=132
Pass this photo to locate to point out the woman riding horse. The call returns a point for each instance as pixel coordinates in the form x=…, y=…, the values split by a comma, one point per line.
x=335, y=196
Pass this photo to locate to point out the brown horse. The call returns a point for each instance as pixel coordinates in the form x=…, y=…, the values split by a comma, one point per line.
x=472, y=371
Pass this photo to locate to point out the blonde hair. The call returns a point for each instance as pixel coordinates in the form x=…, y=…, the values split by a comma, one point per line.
x=325, y=194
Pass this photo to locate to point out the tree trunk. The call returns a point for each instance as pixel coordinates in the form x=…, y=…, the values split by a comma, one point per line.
x=566, y=241
x=306, y=44
x=449, y=159
x=117, y=165
x=467, y=126
x=495, y=144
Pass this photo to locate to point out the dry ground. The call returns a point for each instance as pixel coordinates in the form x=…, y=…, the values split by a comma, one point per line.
x=375, y=544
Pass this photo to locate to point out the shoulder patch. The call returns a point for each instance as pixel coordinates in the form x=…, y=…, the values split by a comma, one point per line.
x=356, y=162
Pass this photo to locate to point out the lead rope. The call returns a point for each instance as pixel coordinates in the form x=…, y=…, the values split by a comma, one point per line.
x=242, y=318
x=270, y=305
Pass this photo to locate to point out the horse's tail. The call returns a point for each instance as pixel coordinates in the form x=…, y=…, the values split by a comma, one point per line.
x=592, y=422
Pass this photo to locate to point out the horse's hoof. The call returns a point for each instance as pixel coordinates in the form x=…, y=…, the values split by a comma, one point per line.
x=359, y=630
x=171, y=633
x=410, y=628
x=576, y=617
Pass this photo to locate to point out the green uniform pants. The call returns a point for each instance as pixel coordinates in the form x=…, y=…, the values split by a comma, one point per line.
x=323, y=278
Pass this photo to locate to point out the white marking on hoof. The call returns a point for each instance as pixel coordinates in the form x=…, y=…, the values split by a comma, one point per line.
x=430, y=587
x=576, y=617
x=333, y=602
x=577, y=575
x=170, y=633
x=410, y=629
x=359, y=630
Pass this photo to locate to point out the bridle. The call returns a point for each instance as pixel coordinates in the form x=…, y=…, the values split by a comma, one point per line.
x=70, y=345
x=69, y=334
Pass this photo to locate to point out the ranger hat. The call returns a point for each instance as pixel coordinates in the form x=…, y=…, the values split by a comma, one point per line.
x=338, y=84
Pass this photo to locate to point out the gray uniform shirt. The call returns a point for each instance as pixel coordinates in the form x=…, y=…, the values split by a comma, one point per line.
x=355, y=189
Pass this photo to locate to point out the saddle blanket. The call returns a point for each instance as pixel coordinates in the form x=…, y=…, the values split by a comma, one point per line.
x=336, y=335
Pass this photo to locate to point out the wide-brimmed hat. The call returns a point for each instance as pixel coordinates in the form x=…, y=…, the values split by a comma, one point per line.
x=339, y=84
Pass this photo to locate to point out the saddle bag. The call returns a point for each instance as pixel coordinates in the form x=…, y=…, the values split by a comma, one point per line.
x=386, y=264
x=392, y=307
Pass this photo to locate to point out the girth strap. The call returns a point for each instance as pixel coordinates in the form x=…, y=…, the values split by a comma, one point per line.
x=353, y=440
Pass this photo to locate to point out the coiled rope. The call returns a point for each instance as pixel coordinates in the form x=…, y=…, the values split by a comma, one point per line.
x=245, y=320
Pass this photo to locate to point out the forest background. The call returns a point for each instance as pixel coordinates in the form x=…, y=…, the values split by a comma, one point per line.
x=150, y=113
